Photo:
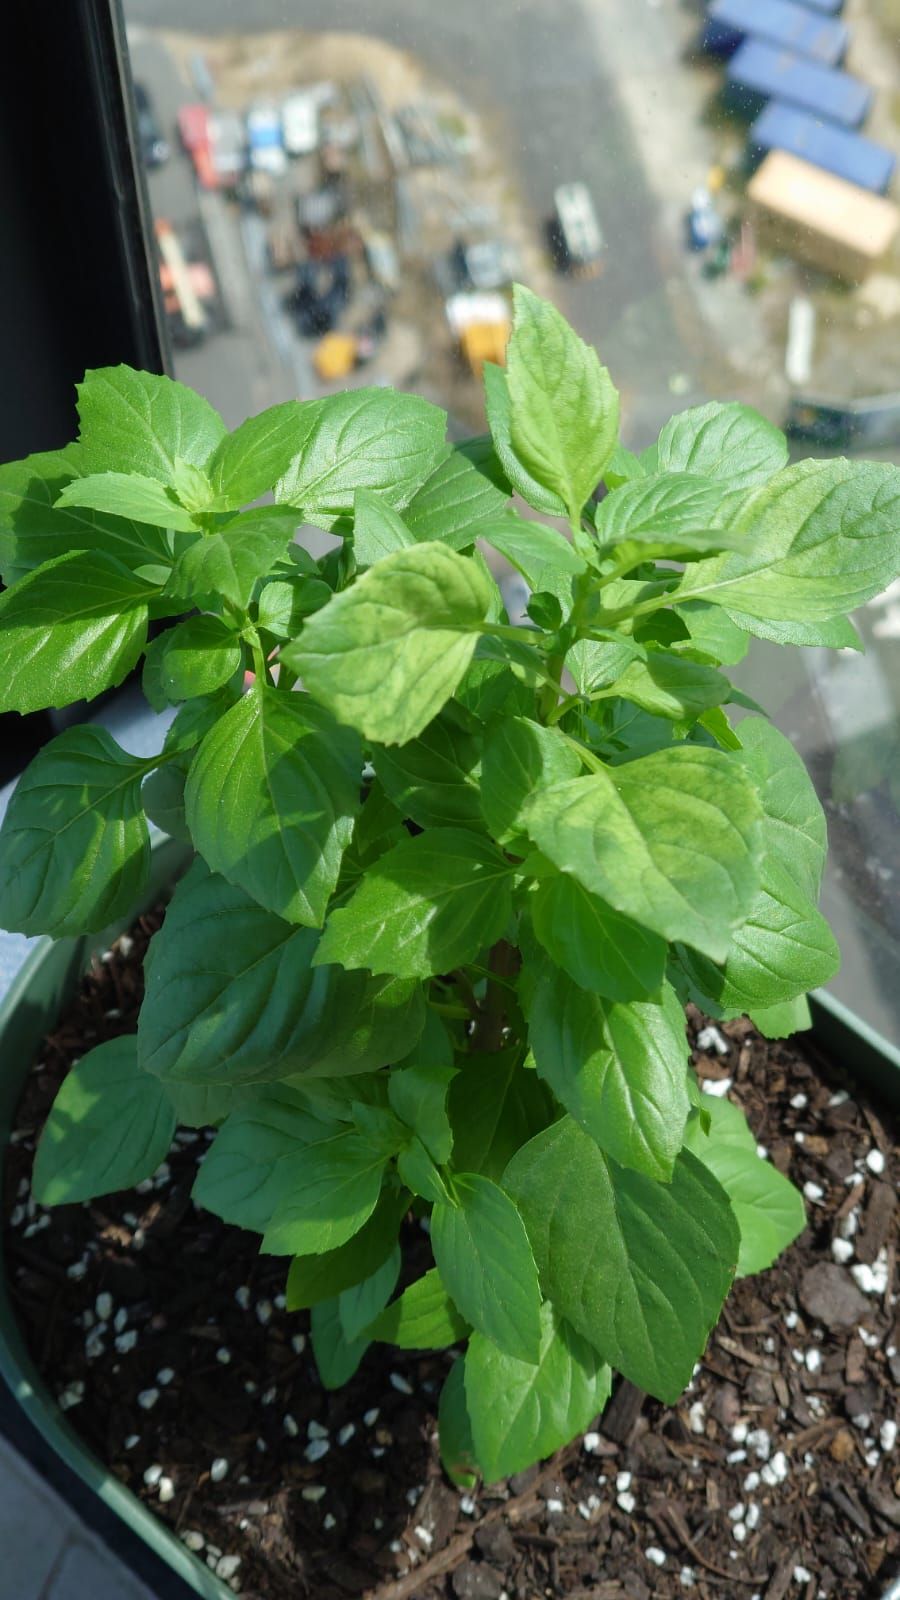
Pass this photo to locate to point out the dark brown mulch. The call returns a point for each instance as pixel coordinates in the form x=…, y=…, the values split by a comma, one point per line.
x=777, y=1474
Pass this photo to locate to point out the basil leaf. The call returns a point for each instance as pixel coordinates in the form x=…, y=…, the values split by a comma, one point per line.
x=248, y=462
x=434, y=778
x=598, y=947
x=423, y=1318
x=531, y=547
x=671, y=840
x=731, y=444
x=252, y=1165
x=131, y=495
x=522, y=1412
x=466, y=488
x=198, y=656
x=639, y=1268
x=336, y=1358
x=386, y=654
x=769, y=1210
x=335, y=1190
x=666, y=685
x=359, y=1305
x=35, y=528
x=485, y=1261
x=363, y=439
x=677, y=516
x=794, y=827
x=418, y=1095
x=521, y=758
x=312, y=1279
x=820, y=539
x=140, y=422
x=233, y=997
x=378, y=530
x=619, y=1070
x=228, y=564
x=564, y=410
x=498, y=407
x=495, y=1105
x=109, y=1127
x=162, y=800
x=424, y=907
x=69, y=630
x=455, y=1430
x=74, y=844
x=271, y=797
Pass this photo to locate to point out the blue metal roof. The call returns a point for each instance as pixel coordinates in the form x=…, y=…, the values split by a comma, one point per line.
x=779, y=22
x=759, y=71
x=848, y=155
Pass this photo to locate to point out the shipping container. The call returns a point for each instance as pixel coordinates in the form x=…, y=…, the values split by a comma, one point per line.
x=847, y=155
x=779, y=22
x=758, y=72
x=828, y=8
x=821, y=219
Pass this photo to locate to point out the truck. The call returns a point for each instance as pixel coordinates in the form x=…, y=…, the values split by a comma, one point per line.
x=780, y=22
x=821, y=219
x=481, y=325
x=848, y=155
x=759, y=72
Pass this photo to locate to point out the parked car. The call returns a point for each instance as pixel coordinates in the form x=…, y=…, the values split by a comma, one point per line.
x=154, y=148
x=265, y=140
x=576, y=238
x=300, y=123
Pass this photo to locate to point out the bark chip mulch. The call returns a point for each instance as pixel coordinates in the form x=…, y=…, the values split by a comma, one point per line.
x=164, y=1336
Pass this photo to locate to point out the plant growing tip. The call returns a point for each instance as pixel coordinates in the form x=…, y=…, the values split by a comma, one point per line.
x=454, y=879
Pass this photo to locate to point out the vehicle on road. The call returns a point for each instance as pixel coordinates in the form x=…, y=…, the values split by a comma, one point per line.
x=228, y=149
x=300, y=122
x=193, y=131
x=264, y=137
x=153, y=146
x=481, y=325
x=576, y=238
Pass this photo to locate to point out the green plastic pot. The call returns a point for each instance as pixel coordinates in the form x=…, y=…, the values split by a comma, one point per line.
x=36, y=999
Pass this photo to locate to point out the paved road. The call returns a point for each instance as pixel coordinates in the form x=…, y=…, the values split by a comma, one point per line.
x=540, y=76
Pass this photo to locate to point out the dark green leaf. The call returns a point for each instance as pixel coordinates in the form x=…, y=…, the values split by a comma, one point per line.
x=74, y=845
x=495, y=1105
x=522, y=1412
x=256, y=1160
x=455, y=1430
x=162, y=800
x=485, y=1262
x=640, y=1269
x=69, y=630
x=110, y=1126
x=312, y=1279
x=232, y=997
x=667, y=685
x=198, y=657
x=360, y=1305
x=285, y=604
x=271, y=797
x=671, y=840
x=430, y=903
x=619, y=1070
x=597, y=946
x=336, y=1359
x=335, y=1190
x=434, y=779
x=418, y=1095
x=386, y=654
x=35, y=529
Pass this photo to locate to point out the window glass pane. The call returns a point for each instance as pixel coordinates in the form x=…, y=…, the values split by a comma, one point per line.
x=343, y=194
